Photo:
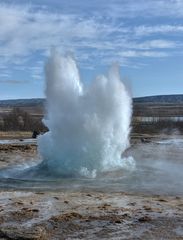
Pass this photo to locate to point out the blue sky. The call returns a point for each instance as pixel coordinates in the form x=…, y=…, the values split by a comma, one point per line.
x=145, y=37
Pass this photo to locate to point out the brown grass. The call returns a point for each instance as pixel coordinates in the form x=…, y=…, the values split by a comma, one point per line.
x=15, y=134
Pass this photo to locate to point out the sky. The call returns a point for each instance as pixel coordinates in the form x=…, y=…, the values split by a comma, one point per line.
x=144, y=37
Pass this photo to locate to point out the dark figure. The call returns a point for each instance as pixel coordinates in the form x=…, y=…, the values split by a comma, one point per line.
x=34, y=134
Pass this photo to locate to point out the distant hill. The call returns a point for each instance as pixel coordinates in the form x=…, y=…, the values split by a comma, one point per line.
x=160, y=99
x=35, y=102
x=146, y=112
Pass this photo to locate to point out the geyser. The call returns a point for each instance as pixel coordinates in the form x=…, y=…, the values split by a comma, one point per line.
x=89, y=126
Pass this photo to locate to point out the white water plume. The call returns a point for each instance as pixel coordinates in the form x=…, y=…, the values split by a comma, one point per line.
x=89, y=126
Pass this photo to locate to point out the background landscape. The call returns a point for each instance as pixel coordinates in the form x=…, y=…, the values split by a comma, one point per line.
x=161, y=114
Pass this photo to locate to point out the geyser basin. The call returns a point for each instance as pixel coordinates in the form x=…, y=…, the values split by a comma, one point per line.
x=88, y=125
x=159, y=168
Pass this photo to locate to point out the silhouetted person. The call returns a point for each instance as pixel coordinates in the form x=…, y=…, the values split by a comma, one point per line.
x=35, y=134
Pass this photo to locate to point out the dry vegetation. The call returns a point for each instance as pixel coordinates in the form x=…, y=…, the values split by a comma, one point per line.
x=19, y=122
x=153, y=118
x=15, y=134
x=148, y=118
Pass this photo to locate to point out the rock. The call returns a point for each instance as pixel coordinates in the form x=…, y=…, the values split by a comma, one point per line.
x=162, y=200
x=19, y=203
x=144, y=219
x=147, y=208
x=177, y=197
x=88, y=195
x=66, y=217
x=57, y=198
x=36, y=233
x=34, y=210
x=104, y=206
x=118, y=221
x=132, y=204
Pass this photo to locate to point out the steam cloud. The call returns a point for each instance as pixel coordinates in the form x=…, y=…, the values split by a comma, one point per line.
x=88, y=125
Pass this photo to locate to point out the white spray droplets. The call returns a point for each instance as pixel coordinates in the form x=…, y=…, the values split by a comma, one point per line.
x=88, y=126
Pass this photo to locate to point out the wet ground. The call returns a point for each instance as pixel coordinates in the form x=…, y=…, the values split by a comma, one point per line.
x=94, y=215
x=146, y=203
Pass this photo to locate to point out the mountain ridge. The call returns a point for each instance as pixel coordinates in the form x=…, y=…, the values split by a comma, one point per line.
x=176, y=98
x=172, y=98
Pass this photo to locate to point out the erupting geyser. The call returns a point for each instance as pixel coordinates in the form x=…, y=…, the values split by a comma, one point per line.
x=88, y=125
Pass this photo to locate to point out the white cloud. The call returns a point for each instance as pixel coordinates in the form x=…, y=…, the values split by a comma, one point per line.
x=37, y=76
x=23, y=31
x=14, y=82
x=26, y=31
x=158, y=29
x=4, y=74
x=145, y=8
x=132, y=53
x=118, y=8
x=158, y=43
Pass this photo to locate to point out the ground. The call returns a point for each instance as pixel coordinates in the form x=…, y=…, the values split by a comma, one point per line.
x=72, y=214
x=94, y=215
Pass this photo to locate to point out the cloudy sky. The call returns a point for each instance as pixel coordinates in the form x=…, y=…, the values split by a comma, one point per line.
x=145, y=37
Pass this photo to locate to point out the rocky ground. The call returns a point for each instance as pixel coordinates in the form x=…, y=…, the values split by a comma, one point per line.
x=83, y=214
x=11, y=154
x=94, y=215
